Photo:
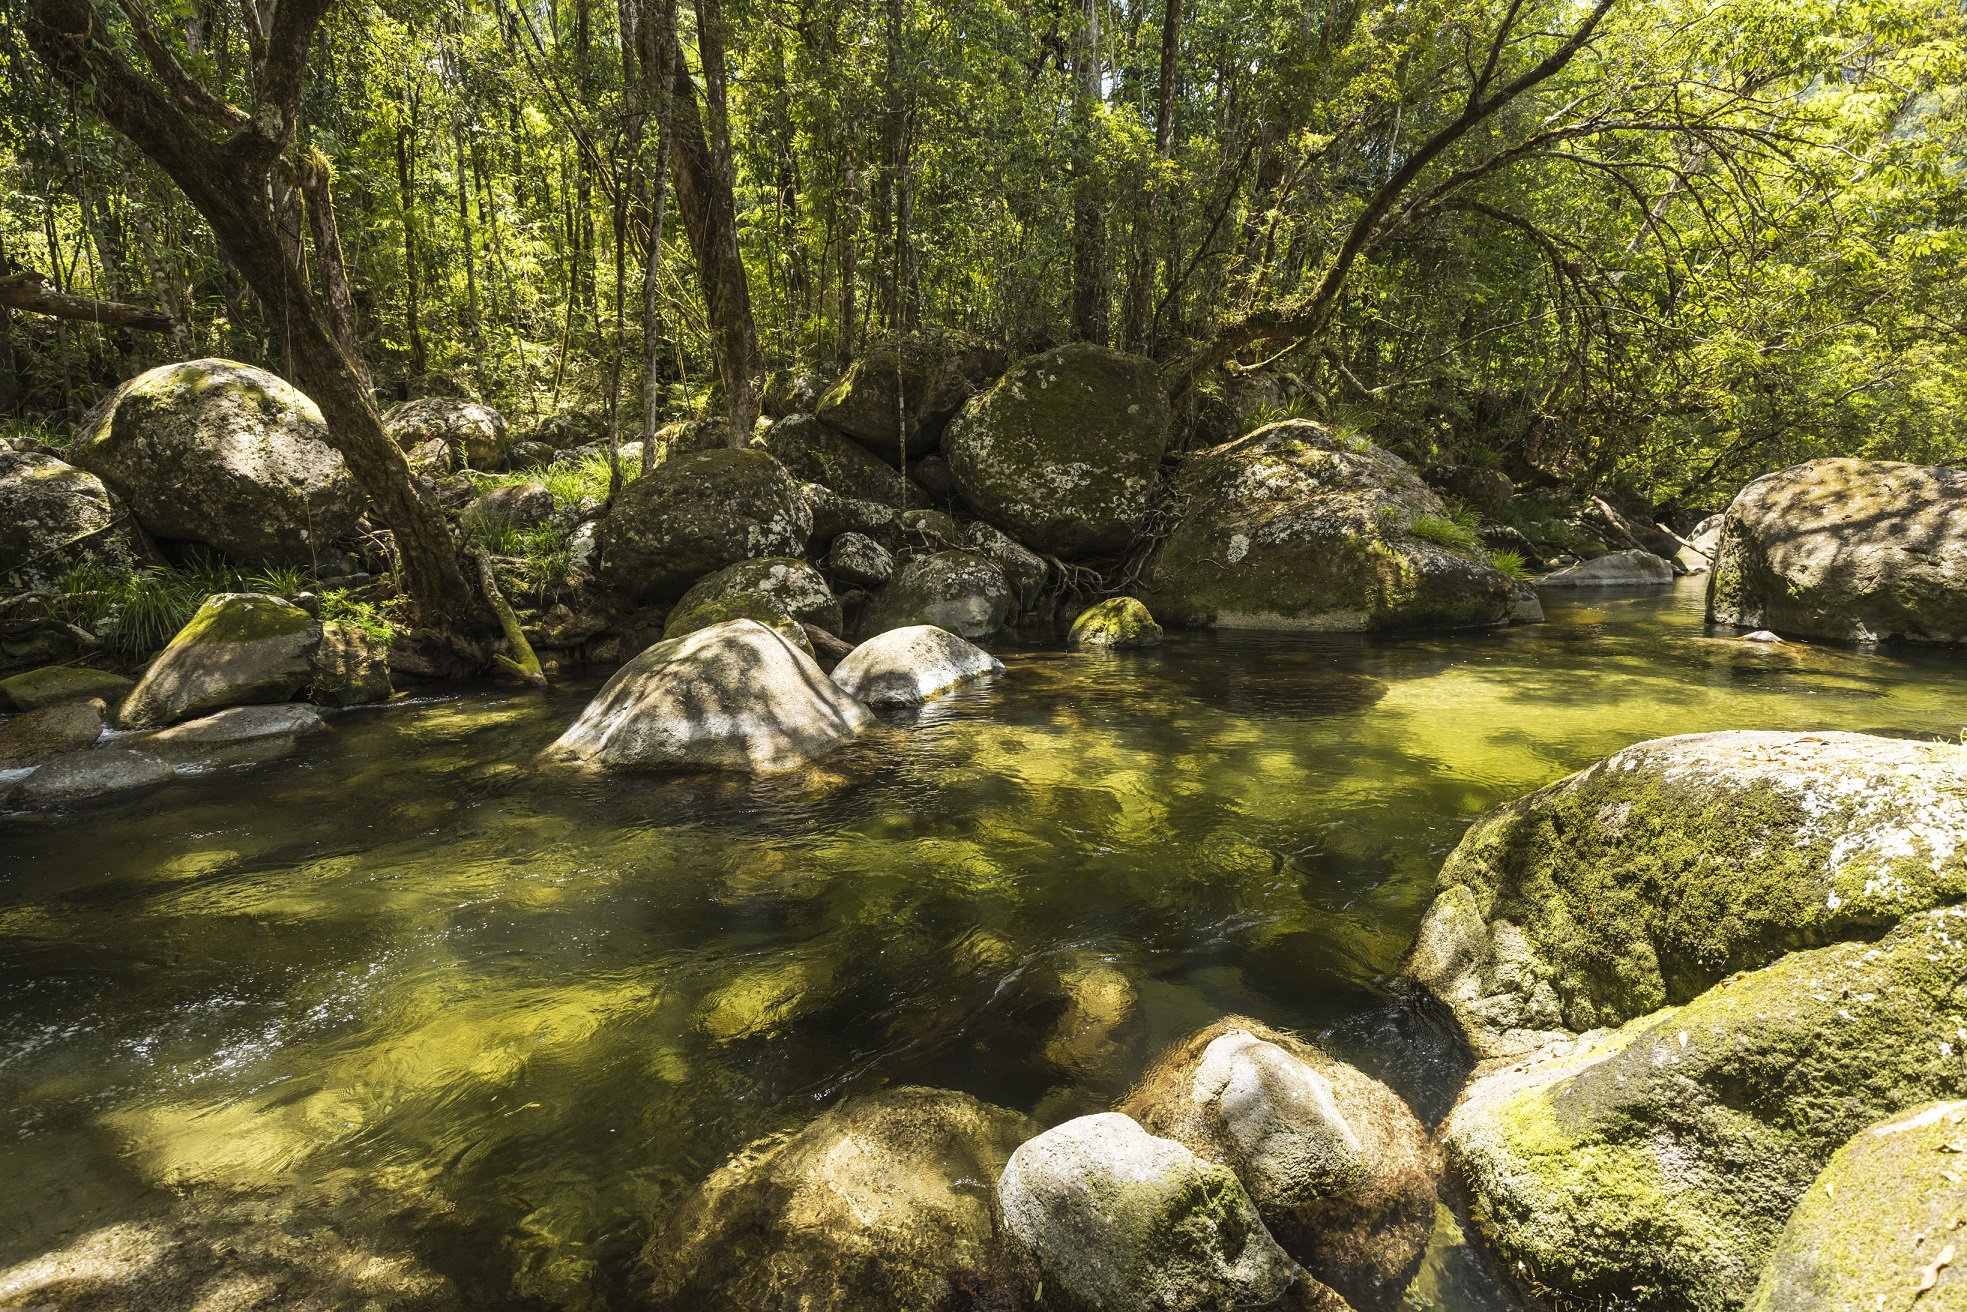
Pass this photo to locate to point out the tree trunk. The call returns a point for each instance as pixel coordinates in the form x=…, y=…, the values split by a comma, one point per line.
x=162, y=285
x=474, y=329
x=9, y=376
x=317, y=187
x=406, y=192
x=1089, y=287
x=1147, y=249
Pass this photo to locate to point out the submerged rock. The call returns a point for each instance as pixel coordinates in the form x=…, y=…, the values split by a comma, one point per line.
x=1657, y=872
x=908, y=666
x=1297, y=528
x=1064, y=450
x=351, y=667
x=935, y=373
x=53, y=684
x=54, y=517
x=955, y=590
x=238, y=735
x=1336, y=1164
x=225, y=455
x=735, y=696
x=880, y=1202
x=85, y=776
x=472, y=432
x=696, y=514
x=1632, y=568
x=1117, y=1218
x=1854, y=550
x=33, y=736
x=816, y=453
x=782, y=591
x=1881, y=1226
x=240, y=648
x=1655, y=1165
x=1116, y=624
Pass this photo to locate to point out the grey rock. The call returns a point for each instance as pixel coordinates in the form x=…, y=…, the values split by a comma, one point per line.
x=819, y=454
x=238, y=649
x=54, y=516
x=34, y=736
x=235, y=736
x=518, y=505
x=860, y=559
x=88, y=775
x=697, y=513
x=1025, y=570
x=351, y=667
x=53, y=684
x=905, y=388
x=955, y=590
x=908, y=666
x=1525, y=606
x=472, y=432
x=1615, y=569
x=782, y=591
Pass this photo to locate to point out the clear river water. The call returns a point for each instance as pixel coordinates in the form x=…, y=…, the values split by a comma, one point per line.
x=407, y=1013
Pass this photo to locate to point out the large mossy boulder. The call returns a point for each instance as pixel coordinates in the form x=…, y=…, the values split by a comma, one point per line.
x=1881, y=1226
x=697, y=513
x=1336, y=1164
x=908, y=666
x=735, y=696
x=224, y=455
x=1063, y=451
x=1661, y=870
x=905, y=388
x=240, y=648
x=955, y=590
x=52, y=685
x=54, y=517
x=1119, y=1218
x=471, y=432
x=1856, y=550
x=1656, y=1165
x=816, y=453
x=1116, y=624
x=875, y=1204
x=782, y=591
x=1294, y=527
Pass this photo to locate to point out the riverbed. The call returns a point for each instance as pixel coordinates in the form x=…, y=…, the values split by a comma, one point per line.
x=406, y=1009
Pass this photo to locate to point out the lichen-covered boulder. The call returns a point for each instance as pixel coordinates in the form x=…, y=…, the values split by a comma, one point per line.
x=1063, y=451
x=1294, y=527
x=472, y=432
x=1116, y=624
x=858, y=558
x=735, y=696
x=1024, y=569
x=834, y=515
x=782, y=591
x=696, y=514
x=816, y=453
x=1614, y=569
x=788, y=392
x=1655, y=1165
x=955, y=590
x=1862, y=550
x=908, y=666
x=53, y=684
x=34, y=736
x=1335, y=1162
x=1881, y=1226
x=1659, y=871
x=222, y=454
x=240, y=648
x=1118, y=1218
x=351, y=667
x=98, y=773
x=905, y=387
x=54, y=516
x=874, y=1204
x=515, y=505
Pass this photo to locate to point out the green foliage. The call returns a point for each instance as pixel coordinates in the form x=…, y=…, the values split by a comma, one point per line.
x=281, y=580
x=1445, y=532
x=1509, y=564
x=1276, y=412
x=571, y=484
x=377, y=619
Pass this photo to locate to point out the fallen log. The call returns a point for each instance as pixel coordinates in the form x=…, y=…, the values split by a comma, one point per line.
x=27, y=290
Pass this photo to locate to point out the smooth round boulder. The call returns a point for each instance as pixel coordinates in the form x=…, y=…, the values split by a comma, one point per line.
x=1296, y=528
x=54, y=517
x=697, y=513
x=773, y=591
x=1064, y=449
x=91, y=775
x=34, y=736
x=51, y=685
x=874, y=1204
x=1118, y=1218
x=1614, y=569
x=816, y=453
x=858, y=558
x=1850, y=550
x=1337, y=1165
x=1881, y=1227
x=235, y=736
x=472, y=432
x=1659, y=871
x=221, y=454
x=908, y=666
x=955, y=590
x=905, y=387
x=1656, y=1164
x=1116, y=624
x=239, y=648
x=735, y=696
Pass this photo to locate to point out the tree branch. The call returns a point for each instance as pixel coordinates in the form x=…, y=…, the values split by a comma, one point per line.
x=28, y=290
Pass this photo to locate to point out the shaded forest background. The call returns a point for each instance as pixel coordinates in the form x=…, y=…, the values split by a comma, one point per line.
x=1723, y=238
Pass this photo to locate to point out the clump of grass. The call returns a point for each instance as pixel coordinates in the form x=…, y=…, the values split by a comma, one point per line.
x=1276, y=412
x=541, y=555
x=377, y=619
x=1444, y=532
x=1509, y=564
x=571, y=483
x=17, y=430
x=282, y=580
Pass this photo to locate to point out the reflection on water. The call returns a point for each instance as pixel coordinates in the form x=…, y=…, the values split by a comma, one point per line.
x=409, y=1012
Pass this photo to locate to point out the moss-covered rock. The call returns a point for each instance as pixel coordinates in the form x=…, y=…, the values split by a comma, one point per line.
x=859, y=559
x=1024, y=569
x=238, y=649
x=472, y=432
x=1063, y=451
x=955, y=590
x=33, y=736
x=1654, y=1166
x=1846, y=549
x=1116, y=624
x=221, y=454
x=1881, y=1226
x=874, y=1204
x=908, y=384
x=1646, y=878
x=515, y=505
x=54, y=516
x=351, y=667
x=696, y=514
x=816, y=453
x=782, y=591
x=53, y=684
x=1294, y=527
x=1335, y=1162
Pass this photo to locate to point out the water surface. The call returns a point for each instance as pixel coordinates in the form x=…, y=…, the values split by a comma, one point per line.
x=406, y=1014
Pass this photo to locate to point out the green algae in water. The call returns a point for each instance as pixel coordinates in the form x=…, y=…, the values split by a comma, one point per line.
x=406, y=1007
